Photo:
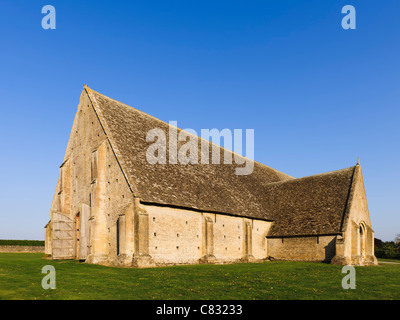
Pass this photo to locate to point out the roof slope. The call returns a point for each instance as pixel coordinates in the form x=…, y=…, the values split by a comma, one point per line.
x=310, y=205
x=208, y=187
x=305, y=206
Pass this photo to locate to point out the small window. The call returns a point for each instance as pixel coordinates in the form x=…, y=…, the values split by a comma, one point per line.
x=93, y=166
x=118, y=243
x=120, y=235
x=61, y=179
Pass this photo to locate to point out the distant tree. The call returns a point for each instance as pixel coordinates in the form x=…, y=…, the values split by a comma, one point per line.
x=389, y=250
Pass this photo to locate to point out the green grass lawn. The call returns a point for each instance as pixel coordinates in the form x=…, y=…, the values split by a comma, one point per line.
x=20, y=278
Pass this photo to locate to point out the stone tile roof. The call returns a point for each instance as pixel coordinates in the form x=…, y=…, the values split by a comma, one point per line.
x=311, y=205
x=308, y=205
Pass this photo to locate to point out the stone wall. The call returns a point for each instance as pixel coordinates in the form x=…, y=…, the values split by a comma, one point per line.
x=318, y=249
x=356, y=245
x=90, y=176
x=182, y=236
x=21, y=249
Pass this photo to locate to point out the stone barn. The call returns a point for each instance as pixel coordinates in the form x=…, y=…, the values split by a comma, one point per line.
x=112, y=207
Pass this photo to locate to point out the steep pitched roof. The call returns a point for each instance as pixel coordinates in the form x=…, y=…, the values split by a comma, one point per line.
x=311, y=205
x=208, y=187
x=305, y=206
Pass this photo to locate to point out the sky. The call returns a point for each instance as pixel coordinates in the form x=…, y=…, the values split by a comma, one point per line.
x=317, y=96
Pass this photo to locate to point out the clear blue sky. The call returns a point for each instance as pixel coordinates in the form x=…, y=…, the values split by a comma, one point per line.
x=317, y=96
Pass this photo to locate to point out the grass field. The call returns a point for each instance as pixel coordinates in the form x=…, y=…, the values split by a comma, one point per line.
x=20, y=278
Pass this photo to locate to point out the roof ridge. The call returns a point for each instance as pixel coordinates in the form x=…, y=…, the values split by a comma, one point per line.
x=310, y=176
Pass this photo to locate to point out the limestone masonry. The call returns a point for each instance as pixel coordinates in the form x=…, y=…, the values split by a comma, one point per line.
x=112, y=207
